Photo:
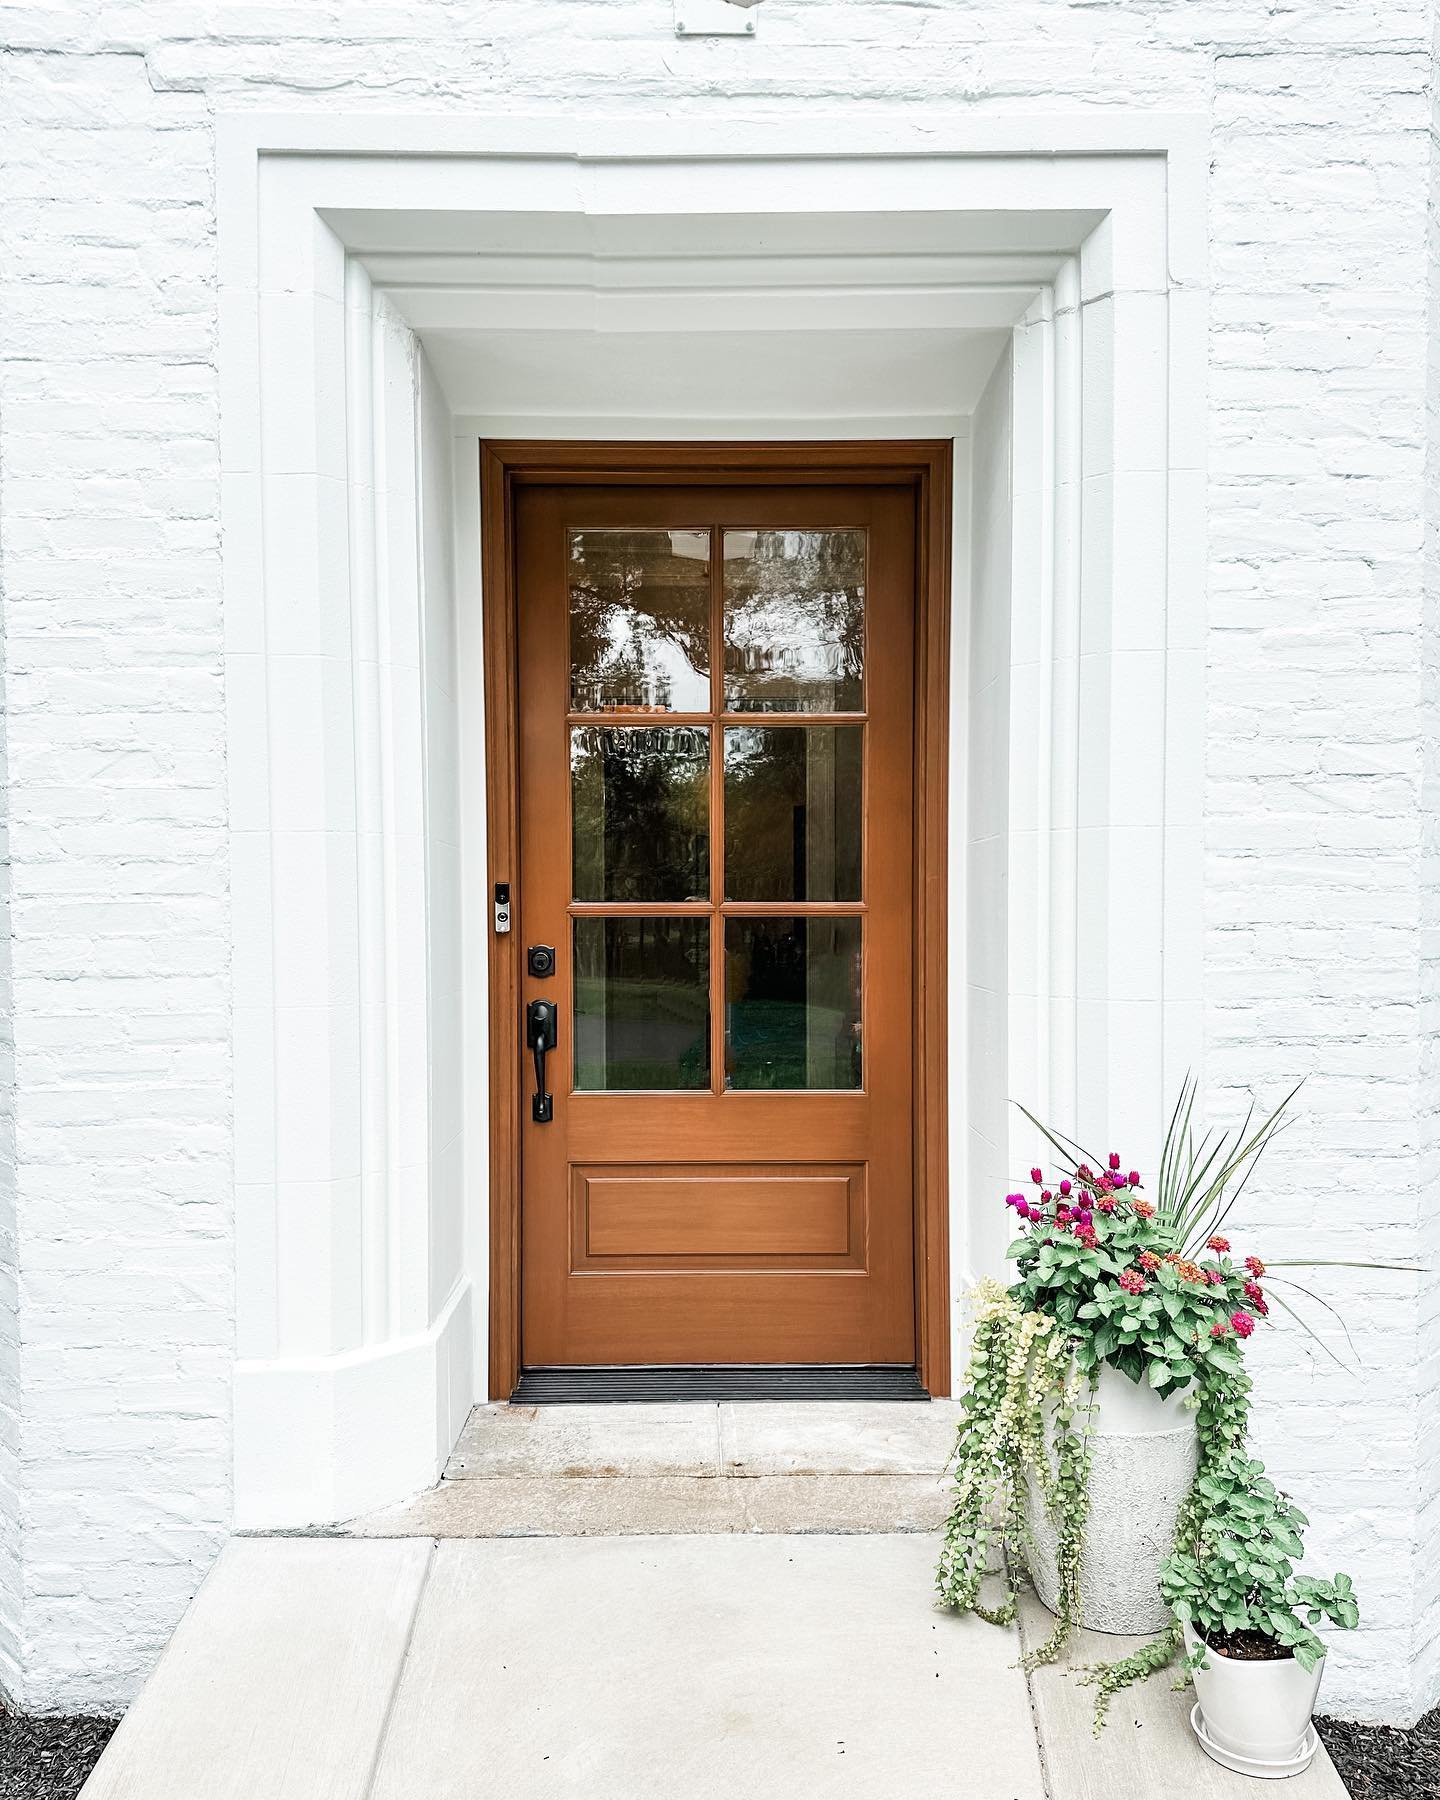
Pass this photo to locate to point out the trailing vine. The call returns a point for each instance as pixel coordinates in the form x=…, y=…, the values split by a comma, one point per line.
x=1018, y=1424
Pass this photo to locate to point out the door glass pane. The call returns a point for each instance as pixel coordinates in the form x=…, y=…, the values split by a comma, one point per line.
x=641, y=811
x=792, y=1003
x=792, y=812
x=640, y=620
x=794, y=621
x=642, y=1003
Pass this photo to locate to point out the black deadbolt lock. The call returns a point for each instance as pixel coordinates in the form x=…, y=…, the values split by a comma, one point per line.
x=541, y=958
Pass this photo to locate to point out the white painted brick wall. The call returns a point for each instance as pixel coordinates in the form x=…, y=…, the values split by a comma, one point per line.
x=1324, y=854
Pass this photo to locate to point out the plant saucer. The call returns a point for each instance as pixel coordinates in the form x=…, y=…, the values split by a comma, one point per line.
x=1250, y=1765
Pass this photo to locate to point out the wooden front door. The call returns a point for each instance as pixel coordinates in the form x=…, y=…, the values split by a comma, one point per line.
x=715, y=699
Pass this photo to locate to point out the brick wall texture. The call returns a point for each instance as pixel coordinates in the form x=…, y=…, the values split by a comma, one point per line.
x=1323, y=864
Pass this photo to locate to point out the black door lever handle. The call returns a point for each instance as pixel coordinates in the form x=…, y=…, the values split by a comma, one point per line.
x=542, y=1029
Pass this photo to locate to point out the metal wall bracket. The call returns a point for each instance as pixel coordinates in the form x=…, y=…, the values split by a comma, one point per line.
x=715, y=18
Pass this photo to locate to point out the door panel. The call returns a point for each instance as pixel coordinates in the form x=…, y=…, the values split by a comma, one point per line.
x=716, y=754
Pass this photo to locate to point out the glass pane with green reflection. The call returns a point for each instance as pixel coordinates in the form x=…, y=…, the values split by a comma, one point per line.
x=793, y=810
x=639, y=620
x=792, y=1003
x=794, y=621
x=642, y=1003
x=640, y=799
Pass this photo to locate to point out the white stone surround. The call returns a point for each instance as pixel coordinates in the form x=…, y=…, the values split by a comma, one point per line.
x=116, y=1226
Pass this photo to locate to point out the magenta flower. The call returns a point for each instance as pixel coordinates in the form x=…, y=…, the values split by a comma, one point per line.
x=1132, y=1281
x=1134, y=1178
x=1219, y=1329
x=1243, y=1324
x=1064, y=1187
x=1114, y=1159
x=1037, y=1175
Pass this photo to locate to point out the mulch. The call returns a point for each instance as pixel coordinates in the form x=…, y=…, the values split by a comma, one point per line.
x=50, y=1758
x=1379, y=1762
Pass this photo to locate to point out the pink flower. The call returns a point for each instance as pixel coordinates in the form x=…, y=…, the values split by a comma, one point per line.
x=1243, y=1324
x=1086, y=1236
x=1046, y=1195
x=1134, y=1178
x=1254, y=1292
x=1015, y=1200
x=1219, y=1329
x=1215, y=1278
x=1255, y=1266
x=1064, y=1187
x=1114, y=1159
x=1132, y=1281
x=1063, y=1215
x=1218, y=1244
x=1038, y=1177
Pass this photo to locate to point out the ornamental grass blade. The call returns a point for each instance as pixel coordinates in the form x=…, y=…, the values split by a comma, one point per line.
x=1310, y=1331
x=1071, y=1153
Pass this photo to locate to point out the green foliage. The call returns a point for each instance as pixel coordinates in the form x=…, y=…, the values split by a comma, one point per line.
x=1163, y=1336
x=1232, y=1568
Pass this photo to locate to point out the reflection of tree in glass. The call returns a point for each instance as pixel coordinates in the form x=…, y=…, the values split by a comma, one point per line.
x=639, y=620
x=642, y=1004
x=794, y=620
x=640, y=795
x=792, y=1016
x=793, y=812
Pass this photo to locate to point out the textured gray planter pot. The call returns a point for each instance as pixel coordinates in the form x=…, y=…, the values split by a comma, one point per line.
x=1142, y=1461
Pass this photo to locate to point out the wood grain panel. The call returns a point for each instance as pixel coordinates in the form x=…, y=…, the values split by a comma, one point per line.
x=752, y=1215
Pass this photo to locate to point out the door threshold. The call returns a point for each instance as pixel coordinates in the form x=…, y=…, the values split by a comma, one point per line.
x=717, y=1381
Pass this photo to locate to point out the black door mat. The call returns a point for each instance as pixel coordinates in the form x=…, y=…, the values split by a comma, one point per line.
x=718, y=1381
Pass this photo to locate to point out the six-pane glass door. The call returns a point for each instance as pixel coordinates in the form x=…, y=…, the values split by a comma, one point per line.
x=717, y=767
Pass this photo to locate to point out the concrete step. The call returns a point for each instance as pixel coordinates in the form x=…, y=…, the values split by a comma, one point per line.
x=505, y=1506
x=735, y=1438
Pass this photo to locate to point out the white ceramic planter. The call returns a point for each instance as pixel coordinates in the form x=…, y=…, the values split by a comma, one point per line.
x=1142, y=1462
x=1256, y=1711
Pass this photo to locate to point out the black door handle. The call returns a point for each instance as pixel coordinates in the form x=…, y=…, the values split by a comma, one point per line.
x=542, y=1023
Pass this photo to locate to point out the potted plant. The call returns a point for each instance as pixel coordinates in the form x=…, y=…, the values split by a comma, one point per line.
x=1149, y=1309
x=1248, y=1620
x=1107, y=1372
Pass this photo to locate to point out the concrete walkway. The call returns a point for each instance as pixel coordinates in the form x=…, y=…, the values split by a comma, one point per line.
x=453, y=1648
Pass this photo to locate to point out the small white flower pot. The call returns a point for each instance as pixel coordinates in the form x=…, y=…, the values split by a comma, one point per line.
x=1142, y=1462
x=1258, y=1712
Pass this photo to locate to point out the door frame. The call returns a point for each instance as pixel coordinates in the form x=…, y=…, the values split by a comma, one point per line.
x=925, y=466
